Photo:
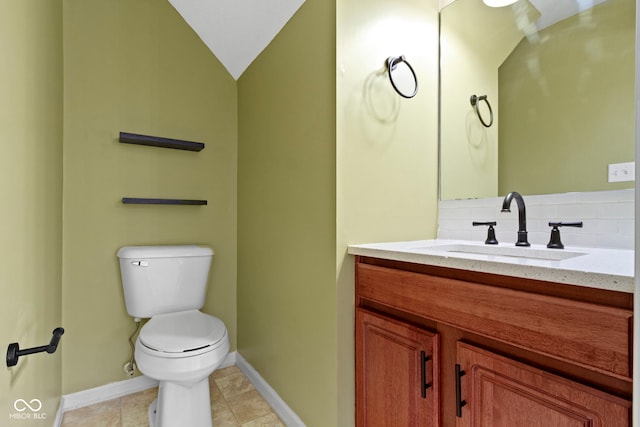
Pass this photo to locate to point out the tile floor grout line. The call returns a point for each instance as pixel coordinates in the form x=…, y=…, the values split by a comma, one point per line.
x=226, y=401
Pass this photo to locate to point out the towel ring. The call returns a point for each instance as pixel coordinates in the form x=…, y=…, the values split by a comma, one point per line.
x=475, y=100
x=392, y=63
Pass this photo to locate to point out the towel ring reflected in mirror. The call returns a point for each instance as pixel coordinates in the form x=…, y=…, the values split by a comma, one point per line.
x=475, y=100
x=399, y=70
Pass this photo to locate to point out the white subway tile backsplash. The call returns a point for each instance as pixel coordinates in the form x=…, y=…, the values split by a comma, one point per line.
x=585, y=240
x=462, y=235
x=575, y=212
x=538, y=238
x=616, y=210
x=485, y=214
x=459, y=213
x=542, y=211
x=553, y=199
x=626, y=226
x=492, y=202
x=538, y=224
x=606, y=196
x=615, y=242
x=601, y=226
x=455, y=224
x=608, y=218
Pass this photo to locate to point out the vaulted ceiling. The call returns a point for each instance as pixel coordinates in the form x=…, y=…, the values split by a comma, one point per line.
x=236, y=31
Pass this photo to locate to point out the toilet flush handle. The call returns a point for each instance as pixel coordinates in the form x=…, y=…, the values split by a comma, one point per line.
x=140, y=263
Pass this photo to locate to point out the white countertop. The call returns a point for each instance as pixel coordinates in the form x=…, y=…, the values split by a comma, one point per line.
x=611, y=269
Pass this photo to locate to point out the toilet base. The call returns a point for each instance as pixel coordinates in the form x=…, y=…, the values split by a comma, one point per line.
x=152, y=413
x=181, y=405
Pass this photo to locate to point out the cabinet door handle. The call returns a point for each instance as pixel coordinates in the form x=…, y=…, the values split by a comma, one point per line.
x=425, y=385
x=459, y=402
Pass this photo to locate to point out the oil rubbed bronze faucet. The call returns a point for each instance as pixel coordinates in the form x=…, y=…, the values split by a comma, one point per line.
x=522, y=216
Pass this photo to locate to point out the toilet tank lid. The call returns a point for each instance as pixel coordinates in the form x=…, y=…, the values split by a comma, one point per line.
x=178, y=251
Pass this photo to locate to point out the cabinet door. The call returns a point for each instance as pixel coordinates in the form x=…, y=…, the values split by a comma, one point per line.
x=496, y=391
x=397, y=376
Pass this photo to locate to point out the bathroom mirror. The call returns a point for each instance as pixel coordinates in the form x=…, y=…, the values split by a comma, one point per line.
x=560, y=78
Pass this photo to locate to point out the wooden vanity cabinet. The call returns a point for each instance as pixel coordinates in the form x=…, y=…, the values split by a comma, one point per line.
x=399, y=380
x=500, y=392
x=502, y=351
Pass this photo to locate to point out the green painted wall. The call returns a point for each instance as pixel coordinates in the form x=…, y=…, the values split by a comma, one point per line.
x=136, y=66
x=317, y=171
x=387, y=147
x=294, y=170
x=589, y=121
x=31, y=211
x=286, y=214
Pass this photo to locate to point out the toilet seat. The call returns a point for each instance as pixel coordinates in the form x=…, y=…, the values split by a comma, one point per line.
x=186, y=333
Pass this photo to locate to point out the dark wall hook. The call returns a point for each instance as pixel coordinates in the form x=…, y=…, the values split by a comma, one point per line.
x=14, y=352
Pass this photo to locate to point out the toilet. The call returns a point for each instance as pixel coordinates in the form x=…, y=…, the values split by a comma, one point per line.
x=179, y=346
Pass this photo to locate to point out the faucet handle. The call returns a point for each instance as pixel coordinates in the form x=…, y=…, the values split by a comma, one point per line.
x=491, y=234
x=554, y=242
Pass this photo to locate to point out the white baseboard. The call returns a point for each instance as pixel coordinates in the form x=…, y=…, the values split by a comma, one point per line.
x=83, y=398
x=279, y=406
x=72, y=401
x=80, y=399
x=106, y=392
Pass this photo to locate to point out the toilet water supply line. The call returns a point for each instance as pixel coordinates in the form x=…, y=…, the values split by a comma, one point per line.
x=130, y=367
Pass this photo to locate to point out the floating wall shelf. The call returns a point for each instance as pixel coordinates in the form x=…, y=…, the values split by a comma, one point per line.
x=156, y=141
x=143, y=201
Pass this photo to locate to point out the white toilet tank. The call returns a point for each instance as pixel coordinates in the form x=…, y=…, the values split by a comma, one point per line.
x=164, y=279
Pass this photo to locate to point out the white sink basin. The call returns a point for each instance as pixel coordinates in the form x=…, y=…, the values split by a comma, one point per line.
x=508, y=251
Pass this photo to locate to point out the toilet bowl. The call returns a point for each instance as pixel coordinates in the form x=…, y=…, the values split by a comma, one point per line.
x=181, y=350
x=179, y=346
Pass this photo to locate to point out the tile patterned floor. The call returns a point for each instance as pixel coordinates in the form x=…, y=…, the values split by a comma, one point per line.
x=234, y=403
